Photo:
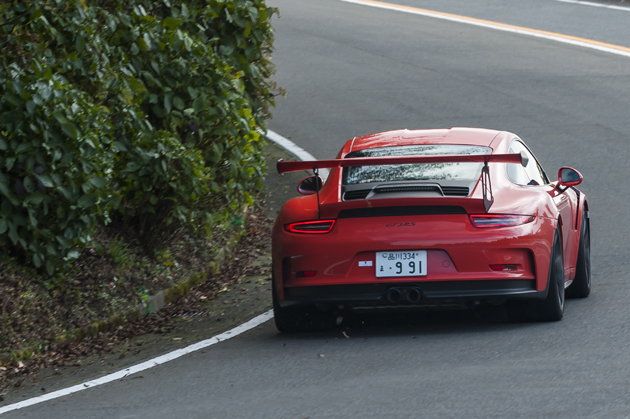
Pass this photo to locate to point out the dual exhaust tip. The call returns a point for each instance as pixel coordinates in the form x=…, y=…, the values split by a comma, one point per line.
x=401, y=295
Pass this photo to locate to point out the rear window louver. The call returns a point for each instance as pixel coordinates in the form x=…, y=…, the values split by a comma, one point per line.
x=447, y=190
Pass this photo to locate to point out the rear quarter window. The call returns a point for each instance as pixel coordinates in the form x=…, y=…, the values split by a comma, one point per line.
x=532, y=174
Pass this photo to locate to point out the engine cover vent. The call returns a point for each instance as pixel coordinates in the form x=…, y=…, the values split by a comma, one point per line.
x=408, y=188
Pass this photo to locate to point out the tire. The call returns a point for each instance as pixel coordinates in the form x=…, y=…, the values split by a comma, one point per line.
x=581, y=286
x=287, y=320
x=300, y=318
x=521, y=311
x=551, y=309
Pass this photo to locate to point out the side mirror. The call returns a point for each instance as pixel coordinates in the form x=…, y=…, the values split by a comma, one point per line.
x=568, y=176
x=310, y=185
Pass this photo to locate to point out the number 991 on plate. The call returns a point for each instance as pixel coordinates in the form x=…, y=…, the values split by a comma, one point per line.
x=398, y=264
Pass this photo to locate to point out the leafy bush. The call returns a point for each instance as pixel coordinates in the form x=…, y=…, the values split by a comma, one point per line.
x=146, y=111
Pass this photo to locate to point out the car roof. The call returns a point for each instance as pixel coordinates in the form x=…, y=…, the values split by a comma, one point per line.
x=464, y=136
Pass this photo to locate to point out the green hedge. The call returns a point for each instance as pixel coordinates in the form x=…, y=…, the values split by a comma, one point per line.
x=146, y=111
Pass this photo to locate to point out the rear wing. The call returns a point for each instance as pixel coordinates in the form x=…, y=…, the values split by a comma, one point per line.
x=488, y=199
x=294, y=166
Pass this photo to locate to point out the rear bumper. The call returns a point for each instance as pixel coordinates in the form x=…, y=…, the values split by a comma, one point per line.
x=456, y=251
x=431, y=293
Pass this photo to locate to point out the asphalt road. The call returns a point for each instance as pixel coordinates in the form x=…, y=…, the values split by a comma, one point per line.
x=351, y=70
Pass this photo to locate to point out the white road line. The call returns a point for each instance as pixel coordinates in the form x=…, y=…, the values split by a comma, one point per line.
x=294, y=149
x=566, y=39
x=256, y=321
x=589, y=3
x=289, y=145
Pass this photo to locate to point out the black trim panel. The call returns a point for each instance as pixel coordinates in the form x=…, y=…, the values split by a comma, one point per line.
x=442, y=190
x=375, y=294
x=396, y=211
x=577, y=207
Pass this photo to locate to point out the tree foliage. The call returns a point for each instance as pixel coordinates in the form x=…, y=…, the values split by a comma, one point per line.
x=143, y=110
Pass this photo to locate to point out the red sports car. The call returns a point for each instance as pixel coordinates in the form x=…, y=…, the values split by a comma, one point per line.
x=430, y=218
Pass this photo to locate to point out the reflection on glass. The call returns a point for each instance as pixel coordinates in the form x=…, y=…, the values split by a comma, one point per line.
x=568, y=175
x=425, y=171
x=310, y=185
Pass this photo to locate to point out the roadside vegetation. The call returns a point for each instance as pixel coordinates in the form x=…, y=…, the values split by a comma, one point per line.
x=129, y=151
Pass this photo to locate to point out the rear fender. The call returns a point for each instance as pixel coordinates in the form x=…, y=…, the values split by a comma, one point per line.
x=574, y=230
x=583, y=212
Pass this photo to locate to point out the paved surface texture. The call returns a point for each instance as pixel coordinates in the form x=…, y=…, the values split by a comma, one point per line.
x=351, y=70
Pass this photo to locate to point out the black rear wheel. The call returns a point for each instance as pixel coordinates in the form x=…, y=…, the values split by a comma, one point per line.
x=287, y=320
x=300, y=318
x=581, y=286
x=551, y=309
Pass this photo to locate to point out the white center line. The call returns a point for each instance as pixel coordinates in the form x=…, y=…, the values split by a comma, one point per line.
x=590, y=3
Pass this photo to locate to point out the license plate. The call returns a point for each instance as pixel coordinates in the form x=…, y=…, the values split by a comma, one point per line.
x=396, y=264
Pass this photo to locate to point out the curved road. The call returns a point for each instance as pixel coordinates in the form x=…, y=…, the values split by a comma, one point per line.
x=351, y=70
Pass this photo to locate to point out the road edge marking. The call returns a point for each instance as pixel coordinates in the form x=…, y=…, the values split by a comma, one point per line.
x=289, y=145
x=162, y=359
x=294, y=149
x=558, y=37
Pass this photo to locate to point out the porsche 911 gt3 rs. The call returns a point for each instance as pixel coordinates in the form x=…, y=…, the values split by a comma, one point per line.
x=438, y=217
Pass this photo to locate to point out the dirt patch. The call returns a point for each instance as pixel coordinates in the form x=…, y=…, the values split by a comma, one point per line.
x=36, y=309
x=239, y=292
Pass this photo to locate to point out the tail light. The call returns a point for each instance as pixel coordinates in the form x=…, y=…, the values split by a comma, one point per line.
x=493, y=220
x=311, y=227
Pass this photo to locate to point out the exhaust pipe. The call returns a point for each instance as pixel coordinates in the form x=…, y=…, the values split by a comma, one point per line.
x=413, y=295
x=394, y=296
x=405, y=294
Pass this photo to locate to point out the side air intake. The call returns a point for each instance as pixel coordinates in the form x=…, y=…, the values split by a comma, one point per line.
x=455, y=190
x=358, y=194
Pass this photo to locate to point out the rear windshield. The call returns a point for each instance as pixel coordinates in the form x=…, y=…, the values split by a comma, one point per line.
x=425, y=171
